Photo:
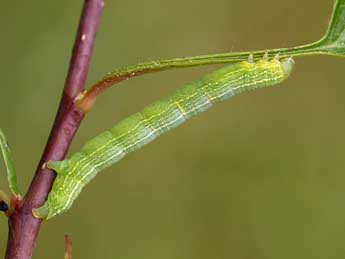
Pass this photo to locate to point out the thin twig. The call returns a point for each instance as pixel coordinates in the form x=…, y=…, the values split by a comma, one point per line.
x=86, y=100
x=23, y=227
x=68, y=247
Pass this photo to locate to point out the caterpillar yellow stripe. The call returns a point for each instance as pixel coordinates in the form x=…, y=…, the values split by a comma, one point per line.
x=143, y=127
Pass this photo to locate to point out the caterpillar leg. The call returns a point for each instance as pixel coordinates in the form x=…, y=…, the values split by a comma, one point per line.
x=251, y=58
x=58, y=166
x=42, y=212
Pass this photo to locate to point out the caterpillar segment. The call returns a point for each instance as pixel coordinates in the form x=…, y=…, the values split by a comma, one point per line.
x=143, y=127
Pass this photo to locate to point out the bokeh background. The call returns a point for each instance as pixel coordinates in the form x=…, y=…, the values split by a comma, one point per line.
x=259, y=177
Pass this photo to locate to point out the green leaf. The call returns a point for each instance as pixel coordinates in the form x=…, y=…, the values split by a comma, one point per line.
x=333, y=42
x=11, y=172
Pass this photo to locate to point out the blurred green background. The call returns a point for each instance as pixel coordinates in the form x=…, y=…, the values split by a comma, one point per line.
x=258, y=177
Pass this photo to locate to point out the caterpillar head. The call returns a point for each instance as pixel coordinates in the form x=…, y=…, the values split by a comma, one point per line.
x=287, y=66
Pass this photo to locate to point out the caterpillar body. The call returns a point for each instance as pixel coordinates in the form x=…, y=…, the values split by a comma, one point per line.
x=143, y=127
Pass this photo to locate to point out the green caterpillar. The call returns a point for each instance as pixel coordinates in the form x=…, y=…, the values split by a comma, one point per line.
x=143, y=127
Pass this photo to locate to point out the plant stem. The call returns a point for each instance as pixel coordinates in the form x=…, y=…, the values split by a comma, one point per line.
x=23, y=227
x=86, y=100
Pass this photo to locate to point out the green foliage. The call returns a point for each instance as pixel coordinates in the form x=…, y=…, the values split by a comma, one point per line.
x=11, y=172
x=333, y=43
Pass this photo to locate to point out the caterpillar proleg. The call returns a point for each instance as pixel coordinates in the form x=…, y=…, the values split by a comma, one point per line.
x=143, y=127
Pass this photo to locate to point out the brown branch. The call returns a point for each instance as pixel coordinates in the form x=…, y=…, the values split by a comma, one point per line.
x=68, y=247
x=23, y=227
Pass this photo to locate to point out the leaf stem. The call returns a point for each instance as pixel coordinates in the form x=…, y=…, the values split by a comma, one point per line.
x=86, y=100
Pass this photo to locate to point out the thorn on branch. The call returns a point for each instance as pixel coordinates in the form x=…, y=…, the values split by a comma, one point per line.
x=68, y=247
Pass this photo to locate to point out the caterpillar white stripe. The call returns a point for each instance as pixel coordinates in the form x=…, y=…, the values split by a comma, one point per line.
x=143, y=127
